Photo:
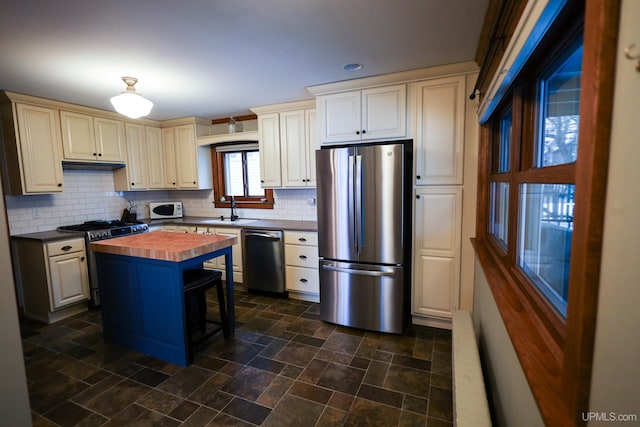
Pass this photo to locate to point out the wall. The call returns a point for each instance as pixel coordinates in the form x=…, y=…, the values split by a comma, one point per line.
x=615, y=380
x=14, y=398
x=616, y=373
x=89, y=195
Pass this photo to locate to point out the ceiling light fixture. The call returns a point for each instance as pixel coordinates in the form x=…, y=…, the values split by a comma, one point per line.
x=130, y=103
x=353, y=67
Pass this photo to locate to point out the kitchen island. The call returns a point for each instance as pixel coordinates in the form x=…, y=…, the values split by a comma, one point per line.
x=142, y=289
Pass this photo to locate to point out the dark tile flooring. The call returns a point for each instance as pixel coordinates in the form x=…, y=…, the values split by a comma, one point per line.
x=284, y=367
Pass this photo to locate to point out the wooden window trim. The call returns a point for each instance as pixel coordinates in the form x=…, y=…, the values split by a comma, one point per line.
x=557, y=362
x=217, y=161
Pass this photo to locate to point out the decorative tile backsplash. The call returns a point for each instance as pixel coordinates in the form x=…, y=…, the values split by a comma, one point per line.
x=89, y=195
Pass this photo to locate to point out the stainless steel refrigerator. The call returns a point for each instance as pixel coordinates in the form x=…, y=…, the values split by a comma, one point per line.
x=364, y=238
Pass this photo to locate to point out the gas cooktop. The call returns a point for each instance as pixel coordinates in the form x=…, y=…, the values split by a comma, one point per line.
x=96, y=225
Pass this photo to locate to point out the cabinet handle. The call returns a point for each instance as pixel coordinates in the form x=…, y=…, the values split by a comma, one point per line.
x=95, y=154
x=357, y=132
x=417, y=196
x=133, y=183
x=82, y=259
x=59, y=184
x=99, y=154
x=173, y=183
x=66, y=248
x=303, y=257
x=302, y=239
x=418, y=177
x=364, y=131
x=194, y=182
x=304, y=280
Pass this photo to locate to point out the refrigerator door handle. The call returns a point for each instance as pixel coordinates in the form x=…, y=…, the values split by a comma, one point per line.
x=381, y=273
x=351, y=202
x=359, y=194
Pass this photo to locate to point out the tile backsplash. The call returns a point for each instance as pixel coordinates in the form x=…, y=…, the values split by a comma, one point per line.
x=90, y=195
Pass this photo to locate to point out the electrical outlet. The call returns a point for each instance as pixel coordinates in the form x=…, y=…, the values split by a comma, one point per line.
x=37, y=212
x=311, y=202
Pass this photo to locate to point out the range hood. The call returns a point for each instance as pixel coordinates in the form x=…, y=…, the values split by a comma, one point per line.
x=78, y=164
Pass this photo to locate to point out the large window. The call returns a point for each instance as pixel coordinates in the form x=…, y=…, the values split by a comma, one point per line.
x=542, y=178
x=236, y=172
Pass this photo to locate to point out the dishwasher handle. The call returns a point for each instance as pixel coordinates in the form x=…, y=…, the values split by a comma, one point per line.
x=264, y=235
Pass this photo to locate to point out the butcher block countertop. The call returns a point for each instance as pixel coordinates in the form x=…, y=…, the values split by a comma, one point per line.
x=164, y=245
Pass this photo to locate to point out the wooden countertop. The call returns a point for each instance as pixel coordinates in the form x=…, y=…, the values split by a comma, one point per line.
x=164, y=245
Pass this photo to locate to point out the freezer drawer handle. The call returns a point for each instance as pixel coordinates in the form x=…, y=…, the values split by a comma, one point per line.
x=384, y=273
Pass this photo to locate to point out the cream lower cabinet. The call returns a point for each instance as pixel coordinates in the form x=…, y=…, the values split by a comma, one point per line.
x=31, y=162
x=216, y=263
x=436, y=253
x=301, y=265
x=53, y=277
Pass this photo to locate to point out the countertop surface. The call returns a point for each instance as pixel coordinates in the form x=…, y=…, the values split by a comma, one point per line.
x=164, y=245
x=263, y=224
x=50, y=236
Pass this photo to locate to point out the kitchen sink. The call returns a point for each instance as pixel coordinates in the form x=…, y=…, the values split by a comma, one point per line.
x=227, y=221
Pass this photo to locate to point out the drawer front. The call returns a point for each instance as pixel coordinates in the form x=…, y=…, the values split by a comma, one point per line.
x=301, y=256
x=302, y=279
x=65, y=246
x=301, y=238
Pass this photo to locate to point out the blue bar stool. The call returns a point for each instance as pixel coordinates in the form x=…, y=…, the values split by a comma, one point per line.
x=196, y=283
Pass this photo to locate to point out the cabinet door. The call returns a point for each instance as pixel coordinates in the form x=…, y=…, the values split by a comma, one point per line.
x=437, y=231
x=186, y=156
x=439, y=152
x=169, y=147
x=384, y=112
x=293, y=148
x=339, y=116
x=78, y=136
x=69, y=281
x=38, y=134
x=155, y=157
x=136, y=156
x=236, y=252
x=109, y=140
x=311, y=146
x=269, y=149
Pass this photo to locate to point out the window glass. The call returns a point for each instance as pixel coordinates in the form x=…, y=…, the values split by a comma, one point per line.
x=504, y=150
x=545, y=224
x=242, y=174
x=253, y=174
x=560, y=108
x=499, y=211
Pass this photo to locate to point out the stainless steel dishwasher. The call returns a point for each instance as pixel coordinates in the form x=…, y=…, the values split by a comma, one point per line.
x=263, y=260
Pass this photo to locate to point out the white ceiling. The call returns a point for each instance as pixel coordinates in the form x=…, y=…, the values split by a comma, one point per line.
x=215, y=58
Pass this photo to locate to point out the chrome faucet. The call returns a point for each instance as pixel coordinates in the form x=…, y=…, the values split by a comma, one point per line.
x=234, y=217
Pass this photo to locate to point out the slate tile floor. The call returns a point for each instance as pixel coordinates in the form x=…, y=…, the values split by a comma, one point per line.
x=284, y=367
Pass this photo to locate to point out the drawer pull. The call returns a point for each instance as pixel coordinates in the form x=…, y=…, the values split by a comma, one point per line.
x=302, y=239
x=66, y=248
x=303, y=280
x=303, y=257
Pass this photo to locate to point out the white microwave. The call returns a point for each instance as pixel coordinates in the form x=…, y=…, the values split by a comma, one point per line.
x=161, y=210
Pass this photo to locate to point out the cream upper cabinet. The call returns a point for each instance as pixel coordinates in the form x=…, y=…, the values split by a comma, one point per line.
x=298, y=144
x=436, y=251
x=169, y=159
x=91, y=138
x=134, y=176
x=31, y=149
x=192, y=162
x=440, y=114
x=368, y=114
x=269, y=149
x=155, y=157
